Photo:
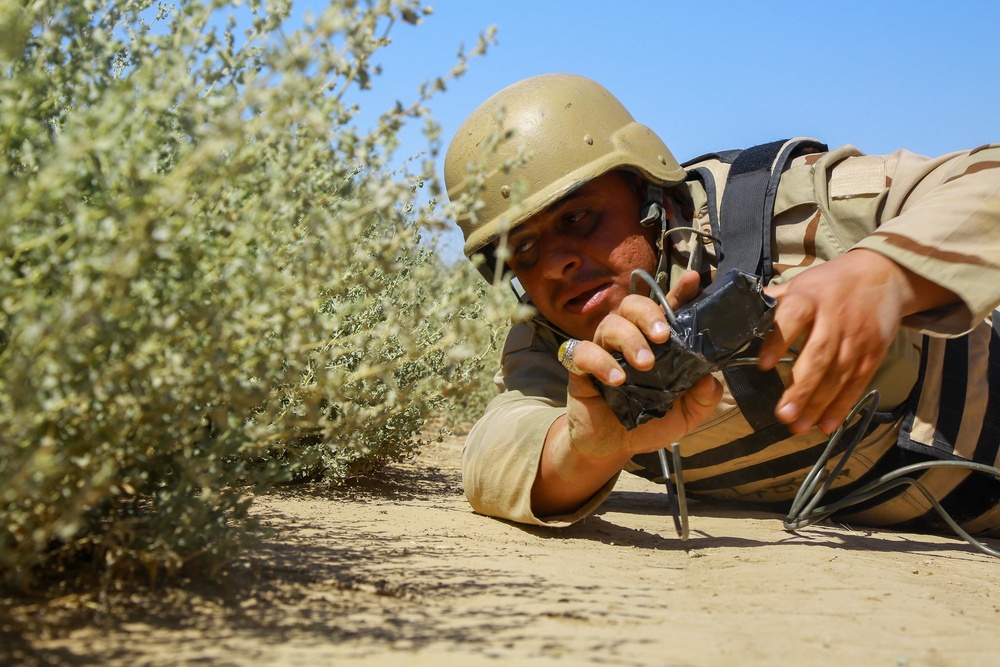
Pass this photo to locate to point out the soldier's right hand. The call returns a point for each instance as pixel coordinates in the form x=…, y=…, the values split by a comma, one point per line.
x=587, y=446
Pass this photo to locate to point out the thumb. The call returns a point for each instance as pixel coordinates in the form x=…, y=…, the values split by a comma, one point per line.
x=699, y=401
x=684, y=289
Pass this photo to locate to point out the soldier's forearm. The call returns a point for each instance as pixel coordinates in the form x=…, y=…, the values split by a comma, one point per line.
x=566, y=478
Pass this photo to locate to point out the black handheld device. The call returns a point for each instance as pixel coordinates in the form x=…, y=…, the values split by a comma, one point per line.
x=706, y=334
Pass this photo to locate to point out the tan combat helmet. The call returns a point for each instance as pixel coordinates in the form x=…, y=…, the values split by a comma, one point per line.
x=570, y=130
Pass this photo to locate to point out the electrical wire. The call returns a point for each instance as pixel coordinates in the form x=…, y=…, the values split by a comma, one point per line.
x=676, y=497
x=804, y=510
x=657, y=292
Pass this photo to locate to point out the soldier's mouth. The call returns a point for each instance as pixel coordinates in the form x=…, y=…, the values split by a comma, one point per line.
x=587, y=300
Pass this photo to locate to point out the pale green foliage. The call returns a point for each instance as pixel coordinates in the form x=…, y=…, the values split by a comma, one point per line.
x=207, y=275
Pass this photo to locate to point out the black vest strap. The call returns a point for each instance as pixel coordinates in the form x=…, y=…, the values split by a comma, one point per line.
x=748, y=206
x=744, y=226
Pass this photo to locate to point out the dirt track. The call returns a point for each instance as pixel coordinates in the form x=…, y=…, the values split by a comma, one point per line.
x=408, y=575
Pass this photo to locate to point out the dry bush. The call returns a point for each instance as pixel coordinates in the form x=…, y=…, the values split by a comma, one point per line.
x=210, y=278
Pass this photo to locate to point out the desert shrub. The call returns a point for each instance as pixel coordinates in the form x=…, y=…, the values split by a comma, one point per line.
x=210, y=277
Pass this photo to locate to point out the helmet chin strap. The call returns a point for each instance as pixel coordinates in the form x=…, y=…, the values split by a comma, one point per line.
x=654, y=211
x=657, y=209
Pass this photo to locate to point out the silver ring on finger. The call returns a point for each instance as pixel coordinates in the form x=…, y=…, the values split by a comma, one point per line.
x=566, y=356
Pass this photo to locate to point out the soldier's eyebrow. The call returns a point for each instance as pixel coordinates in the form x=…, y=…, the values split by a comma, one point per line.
x=547, y=213
x=556, y=206
x=520, y=230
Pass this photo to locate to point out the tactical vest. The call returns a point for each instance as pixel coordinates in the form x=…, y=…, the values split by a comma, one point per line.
x=743, y=226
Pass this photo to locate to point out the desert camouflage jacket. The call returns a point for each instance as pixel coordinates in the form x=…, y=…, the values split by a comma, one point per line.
x=939, y=217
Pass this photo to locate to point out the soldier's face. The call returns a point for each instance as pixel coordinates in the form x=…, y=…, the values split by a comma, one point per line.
x=575, y=258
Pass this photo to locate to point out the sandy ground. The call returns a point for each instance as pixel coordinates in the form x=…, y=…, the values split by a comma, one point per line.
x=407, y=574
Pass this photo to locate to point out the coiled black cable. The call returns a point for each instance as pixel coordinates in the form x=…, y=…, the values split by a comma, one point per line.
x=806, y=509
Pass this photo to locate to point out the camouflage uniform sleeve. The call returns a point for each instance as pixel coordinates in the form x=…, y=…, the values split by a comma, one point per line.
x=940, y=218
x=503, y=449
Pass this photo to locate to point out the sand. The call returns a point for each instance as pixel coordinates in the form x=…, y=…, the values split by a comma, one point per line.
x=404, y=573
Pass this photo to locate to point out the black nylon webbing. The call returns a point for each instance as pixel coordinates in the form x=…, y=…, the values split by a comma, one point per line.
x=745, y=227
x=708, y=182
x=757, y=394
x=748, y=205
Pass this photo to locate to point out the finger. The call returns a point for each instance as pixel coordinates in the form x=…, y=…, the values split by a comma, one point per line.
x=684, y=289
x=857, y=360
x=818, y=391
x=854, y=386
x=816, y=366
x=592, y=359
x=703, y=394
x=619, y=334
x=689, y=410
x=692, y=408
x=773, y=349
x=793, y=320
x=647, y=315
x=838, y=409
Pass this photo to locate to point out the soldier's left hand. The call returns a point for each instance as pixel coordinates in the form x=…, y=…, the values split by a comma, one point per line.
x=844, y=313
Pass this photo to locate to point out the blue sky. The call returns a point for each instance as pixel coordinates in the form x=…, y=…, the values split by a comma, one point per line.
x=711, y=75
